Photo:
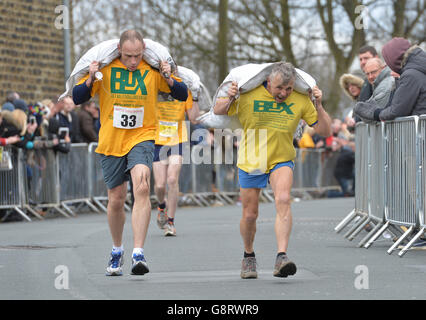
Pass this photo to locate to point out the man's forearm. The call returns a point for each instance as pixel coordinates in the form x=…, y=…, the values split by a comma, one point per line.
x=222, y=106
x=323, y=127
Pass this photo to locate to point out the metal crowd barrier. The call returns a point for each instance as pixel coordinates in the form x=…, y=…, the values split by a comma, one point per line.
x=12, y=182
x=314, y=170
x=390, y=182
x=73, y=167
x=43, y=180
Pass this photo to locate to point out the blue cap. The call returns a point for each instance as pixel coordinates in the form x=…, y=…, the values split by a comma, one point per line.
x=20, y=104
x=8, y=106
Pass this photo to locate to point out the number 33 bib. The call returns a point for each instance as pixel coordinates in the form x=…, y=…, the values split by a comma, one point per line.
x=128, y=118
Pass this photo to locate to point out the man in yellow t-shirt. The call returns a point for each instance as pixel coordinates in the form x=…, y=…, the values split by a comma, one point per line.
x=127, y=90
x=170, y=143
x=269, y=115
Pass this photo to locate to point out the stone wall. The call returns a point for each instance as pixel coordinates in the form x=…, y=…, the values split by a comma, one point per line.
x=31, y=49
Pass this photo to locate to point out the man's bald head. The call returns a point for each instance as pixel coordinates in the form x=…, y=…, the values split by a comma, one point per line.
x=372, y=69
x=377, y=62
x=131, y=35
x=131, y=48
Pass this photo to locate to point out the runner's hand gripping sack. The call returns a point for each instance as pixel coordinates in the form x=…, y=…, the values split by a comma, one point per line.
x=248, y=77
x=106, y=52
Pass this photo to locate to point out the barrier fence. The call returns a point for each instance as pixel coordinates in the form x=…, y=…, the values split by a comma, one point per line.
x=41, y=180
x=389, y=162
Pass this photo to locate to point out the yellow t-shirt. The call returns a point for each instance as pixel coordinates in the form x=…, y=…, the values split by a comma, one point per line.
x=269, y=128
x=128, y=102
x=306, y=141
x=172, y=128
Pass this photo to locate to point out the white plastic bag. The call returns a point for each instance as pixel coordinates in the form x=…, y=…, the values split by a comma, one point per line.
x=194, y=84
x=106, y=52
x=248, y=77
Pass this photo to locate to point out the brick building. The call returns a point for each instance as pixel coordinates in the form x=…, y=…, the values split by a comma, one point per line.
x=31, y=49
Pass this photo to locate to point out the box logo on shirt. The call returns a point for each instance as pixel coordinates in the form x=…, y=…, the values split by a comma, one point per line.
x=126, y=82
x=272, y=107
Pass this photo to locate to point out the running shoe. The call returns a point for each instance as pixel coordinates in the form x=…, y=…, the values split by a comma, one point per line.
x=169, y=229
x=162, y=218
x=139, y=265
x=248, y=268
x=115, y=264
x=284, y=267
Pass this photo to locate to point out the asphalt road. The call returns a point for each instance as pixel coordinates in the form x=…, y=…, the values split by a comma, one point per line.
x=65, y=259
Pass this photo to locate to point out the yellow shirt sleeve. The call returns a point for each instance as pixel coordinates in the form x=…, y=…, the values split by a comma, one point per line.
x=233, y=109
x=310, y=114
x=188, y=104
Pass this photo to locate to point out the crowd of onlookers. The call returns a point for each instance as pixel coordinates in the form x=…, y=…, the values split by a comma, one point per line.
x=49, y=123
x=342, y=142
x=382, y=90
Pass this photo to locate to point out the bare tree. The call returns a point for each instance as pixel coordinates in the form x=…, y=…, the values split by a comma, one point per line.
x=398, y=18
x=209, y=36
x=344, y=53
x=223, y=39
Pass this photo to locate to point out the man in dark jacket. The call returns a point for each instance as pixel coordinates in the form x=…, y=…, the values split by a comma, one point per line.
x=366, y=53
x=68, y=118
x=87, y=122
x=409, y=97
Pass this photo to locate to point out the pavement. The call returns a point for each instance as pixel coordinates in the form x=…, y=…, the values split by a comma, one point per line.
x=65, y=259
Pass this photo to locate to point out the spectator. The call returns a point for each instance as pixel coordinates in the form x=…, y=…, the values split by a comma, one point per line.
x=7, y=137
x=11, y=96
x=334, y=142
x=409, y=97
x=8, y=106
x=15, y=124
x=306, y=141
x=64, y=145
x=379, y=76
x=40, y=111
x=68, y=118
x=97, y=120
x=42, y=139
x=87, y=117
x=344, y=172
x=382, y=81
x=20, y=104
x=351, y=86
x=348, y=129
x=366, y=53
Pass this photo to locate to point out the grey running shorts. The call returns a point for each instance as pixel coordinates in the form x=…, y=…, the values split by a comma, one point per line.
x=116, y=170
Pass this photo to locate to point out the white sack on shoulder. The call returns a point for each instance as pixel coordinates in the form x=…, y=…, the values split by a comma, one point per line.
x=249, y=77
x=191, y=79
x=106, y=51
x=204, y=98
x=194, y=84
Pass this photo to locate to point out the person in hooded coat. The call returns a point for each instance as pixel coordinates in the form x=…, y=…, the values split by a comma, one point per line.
x=409, y=97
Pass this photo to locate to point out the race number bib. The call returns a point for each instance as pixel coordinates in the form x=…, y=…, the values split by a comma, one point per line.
x=168, y=129
x=128, y=118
